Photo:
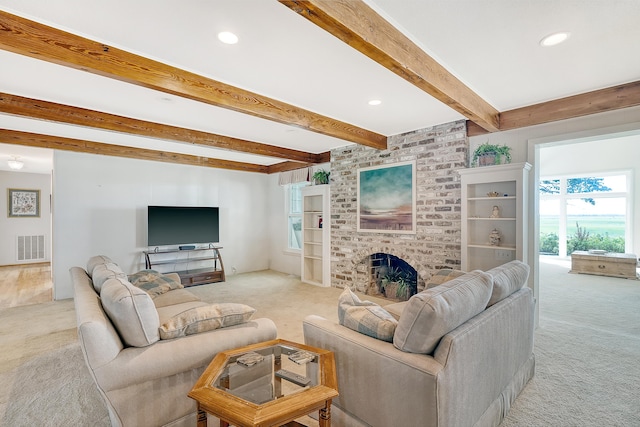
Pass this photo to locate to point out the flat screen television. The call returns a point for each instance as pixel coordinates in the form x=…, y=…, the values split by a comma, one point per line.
x=178, y=225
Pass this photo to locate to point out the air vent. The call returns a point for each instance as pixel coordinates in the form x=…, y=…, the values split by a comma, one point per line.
x=30, y=248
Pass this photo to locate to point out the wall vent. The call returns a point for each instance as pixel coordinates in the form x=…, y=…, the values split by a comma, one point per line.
x=30, y=248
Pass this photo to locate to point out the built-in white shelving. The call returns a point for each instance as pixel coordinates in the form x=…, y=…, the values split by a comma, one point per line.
x=316, y=235
x=483, y=189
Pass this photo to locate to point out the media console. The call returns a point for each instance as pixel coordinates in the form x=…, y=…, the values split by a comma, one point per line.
x=182, y=259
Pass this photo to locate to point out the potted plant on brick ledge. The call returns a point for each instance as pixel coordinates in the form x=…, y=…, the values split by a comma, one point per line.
x=491, y=154
x=321, y=176
x=397, y=284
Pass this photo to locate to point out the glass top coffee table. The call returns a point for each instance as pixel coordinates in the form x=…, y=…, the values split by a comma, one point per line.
x=267, y=384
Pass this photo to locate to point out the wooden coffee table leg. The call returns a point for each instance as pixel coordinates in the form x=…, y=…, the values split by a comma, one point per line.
x=324, y=415
x=202, y=418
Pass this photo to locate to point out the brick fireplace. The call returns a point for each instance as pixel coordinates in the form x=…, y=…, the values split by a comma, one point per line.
x=438, y=152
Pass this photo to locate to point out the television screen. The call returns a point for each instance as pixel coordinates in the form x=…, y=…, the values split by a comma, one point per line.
x=176, y=225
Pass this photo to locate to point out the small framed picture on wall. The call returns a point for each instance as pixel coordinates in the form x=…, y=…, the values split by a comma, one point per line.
x=23, y=203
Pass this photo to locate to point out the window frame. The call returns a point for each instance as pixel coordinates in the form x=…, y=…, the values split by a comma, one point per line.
x=564, y=196
x=289, y=215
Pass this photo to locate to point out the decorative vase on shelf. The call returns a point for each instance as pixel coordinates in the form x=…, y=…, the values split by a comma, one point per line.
x=494, y=237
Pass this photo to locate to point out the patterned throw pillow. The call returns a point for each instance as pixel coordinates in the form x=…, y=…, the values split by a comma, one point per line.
x=205, y=318
x=365, y=317
x=153, y=283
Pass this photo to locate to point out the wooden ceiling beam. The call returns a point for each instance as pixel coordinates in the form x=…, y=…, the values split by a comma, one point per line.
x=359, y=26
x=597, y=101
x=36, y=40
x=44, y=110
x=287, y=166
x=81, y=146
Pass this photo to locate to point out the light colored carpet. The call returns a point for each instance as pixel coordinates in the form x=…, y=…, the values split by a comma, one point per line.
x=587, y=350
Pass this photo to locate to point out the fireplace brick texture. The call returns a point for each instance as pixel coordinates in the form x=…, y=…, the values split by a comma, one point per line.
x=438, y=151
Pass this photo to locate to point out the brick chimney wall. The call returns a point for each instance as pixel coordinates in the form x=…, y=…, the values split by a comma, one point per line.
x=438, y=152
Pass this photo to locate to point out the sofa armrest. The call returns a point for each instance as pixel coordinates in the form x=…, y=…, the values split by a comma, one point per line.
x=164, y=358
x=378, y=384
x=482, y=357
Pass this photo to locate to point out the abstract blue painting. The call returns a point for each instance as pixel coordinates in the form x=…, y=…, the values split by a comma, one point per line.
x=386, y=198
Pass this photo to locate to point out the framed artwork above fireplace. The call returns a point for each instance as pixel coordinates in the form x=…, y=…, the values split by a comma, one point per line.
x=387, y=198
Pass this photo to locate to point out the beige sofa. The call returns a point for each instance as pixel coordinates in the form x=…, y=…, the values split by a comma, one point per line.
x=461, y=353
x=143, y=378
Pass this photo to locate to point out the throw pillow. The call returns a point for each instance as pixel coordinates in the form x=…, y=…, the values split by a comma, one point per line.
x=432, y=313
x=205, y=318
x=507, y=279
x=365, y=317
x=104, y=272
x=153, y=283
x=131, y=311
x=442, y=276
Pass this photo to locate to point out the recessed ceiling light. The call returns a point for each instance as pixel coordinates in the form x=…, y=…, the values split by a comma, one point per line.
x=375, y=102
x=554, y=39
x=15, y=163
x=227, y=37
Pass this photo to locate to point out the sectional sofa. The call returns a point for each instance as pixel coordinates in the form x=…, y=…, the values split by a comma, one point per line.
x=454, y=355
x=147, y=345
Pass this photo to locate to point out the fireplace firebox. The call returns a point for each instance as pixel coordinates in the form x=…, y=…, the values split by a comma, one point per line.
x=391, y=277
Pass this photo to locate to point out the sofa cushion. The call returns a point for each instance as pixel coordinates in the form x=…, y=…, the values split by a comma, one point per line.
x=205, y=318
x=153, y=283
x=131, y=311
x=96, y=260
x=507, y=279
x=177, y=296
x=104, y=272
x=442, y=276
x=395, y=309
x=432, y=313
x=167, y=312
x=365, y=317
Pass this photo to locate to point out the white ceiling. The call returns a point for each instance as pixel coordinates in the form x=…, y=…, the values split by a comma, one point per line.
x=490, y=45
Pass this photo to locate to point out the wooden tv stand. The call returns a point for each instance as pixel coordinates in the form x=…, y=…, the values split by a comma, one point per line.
x=189, y=276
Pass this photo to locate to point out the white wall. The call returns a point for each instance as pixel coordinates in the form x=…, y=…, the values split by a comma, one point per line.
x=100, y=202
x=611, y=154
x=12, y=227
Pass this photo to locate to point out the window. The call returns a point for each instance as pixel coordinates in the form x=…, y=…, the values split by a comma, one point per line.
x=294, y=215
x=585, y=212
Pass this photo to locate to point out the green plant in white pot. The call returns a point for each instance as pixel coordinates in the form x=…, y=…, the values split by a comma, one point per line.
x=321, y=176
x=491, y=154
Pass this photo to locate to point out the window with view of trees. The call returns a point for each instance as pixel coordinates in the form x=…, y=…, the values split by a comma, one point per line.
x=294, y=215
x=583, y=213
